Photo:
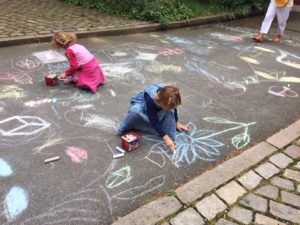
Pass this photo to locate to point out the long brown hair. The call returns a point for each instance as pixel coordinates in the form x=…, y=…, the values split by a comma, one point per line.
x=168, y=97
x=62, y=39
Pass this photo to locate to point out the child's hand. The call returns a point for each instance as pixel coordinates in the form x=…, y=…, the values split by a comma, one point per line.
x=181, y=127
x=62, y=75
x=169, y=143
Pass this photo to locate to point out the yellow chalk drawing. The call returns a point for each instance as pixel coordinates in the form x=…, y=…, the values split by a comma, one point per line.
x=277, y=77
x=221, y=66
x=266, y=75
x=11, y=91
x=263, y=49
x=249, y=60
x=292, y=64
x=290, y=79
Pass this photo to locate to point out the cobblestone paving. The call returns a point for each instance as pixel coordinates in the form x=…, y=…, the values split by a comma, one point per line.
x=266, y=193
x=40, y=17
x=272, y=195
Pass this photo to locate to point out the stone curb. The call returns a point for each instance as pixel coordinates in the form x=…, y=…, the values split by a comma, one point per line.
x=6, y=42
x=209, y=181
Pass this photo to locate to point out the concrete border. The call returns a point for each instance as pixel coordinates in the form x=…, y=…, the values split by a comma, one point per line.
x=7, y=42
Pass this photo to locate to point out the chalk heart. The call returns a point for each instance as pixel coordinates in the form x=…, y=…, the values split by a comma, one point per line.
x=77, y=155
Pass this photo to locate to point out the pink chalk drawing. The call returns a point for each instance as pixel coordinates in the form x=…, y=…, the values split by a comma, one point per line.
x=169, y=51
x=77, y=155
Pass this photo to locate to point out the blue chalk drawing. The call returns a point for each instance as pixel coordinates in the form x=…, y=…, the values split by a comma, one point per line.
x=238, y=141
x=5, y=169
x=16, y=201
x=197, y=144
x=179, y=40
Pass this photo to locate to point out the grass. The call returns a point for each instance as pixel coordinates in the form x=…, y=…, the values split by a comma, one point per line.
x=200, y=8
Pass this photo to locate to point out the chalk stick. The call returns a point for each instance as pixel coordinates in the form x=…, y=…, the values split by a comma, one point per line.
x=120, y=149
x=118, y=155
x=51, y=159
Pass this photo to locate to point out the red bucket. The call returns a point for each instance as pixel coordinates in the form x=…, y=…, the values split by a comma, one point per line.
x=51, y=79
x=130, y=141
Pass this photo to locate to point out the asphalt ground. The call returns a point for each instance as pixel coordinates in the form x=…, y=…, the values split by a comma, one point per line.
x=235, y=94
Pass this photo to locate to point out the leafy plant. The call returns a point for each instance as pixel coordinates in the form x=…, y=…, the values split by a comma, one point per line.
x=239, y=7
x=162, y=11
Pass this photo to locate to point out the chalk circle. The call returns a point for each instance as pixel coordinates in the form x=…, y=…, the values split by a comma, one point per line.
x=27, y=64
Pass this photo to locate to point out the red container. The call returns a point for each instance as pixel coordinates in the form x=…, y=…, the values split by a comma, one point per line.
x=51, y=79
x=130, y=141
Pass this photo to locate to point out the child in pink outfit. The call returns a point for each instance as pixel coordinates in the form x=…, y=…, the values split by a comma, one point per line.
x=84, y=68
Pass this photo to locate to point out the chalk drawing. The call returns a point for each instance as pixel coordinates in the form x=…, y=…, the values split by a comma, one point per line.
x=126, y=71
x=11, y=91
x=136, y=192
x=79, y=207
x=51, y=141
x=264, y=49
x=119, y=177
x=250, y=60
x=112, y=92
x=2, y=107
x=82, y=96
x=227, y=37
x=5, y=169
x=179, y=40
x=22, y=126
x=82, y=117
x=279, y=76
x=158, y=68
x=50, y=56
x=27, y=64
x=207, y=43
x=16, y=201
x=221, y=66
x=171, y=51
x=128, y=52
x=246, y=32
x=197, y=144
x=235, y=87
x=119, y=54
x=77, y=155
x=146, y=56
x=282, y=91
x=37, y=103
x=18, y=77
x=199, y=50
x=284, y=54
x=239, y=141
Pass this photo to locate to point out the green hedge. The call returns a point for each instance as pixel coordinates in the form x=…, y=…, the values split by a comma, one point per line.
x=165, y=11
x=162, y=11
x=240, y=7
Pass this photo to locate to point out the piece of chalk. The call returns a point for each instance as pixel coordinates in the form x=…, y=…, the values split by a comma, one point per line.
x=51, y=159
x=120, y=149
x=118, y=155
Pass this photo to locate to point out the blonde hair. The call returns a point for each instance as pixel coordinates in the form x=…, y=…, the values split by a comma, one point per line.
x=62, y=39
x=168, y=97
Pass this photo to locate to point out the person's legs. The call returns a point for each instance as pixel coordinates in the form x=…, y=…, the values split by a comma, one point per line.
x=135, y=120
x=267, y=22
x=282, y=17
